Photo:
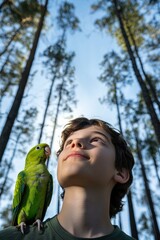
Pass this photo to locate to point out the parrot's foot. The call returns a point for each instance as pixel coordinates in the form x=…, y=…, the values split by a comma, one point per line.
x=38, y=223
x=22, y=226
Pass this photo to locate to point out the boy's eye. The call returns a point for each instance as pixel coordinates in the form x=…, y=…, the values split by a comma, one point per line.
x=97, y=139
x=67, y=142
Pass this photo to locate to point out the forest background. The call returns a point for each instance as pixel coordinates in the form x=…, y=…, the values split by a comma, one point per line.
x=65, y=59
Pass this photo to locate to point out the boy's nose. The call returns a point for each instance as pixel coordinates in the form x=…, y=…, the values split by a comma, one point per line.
x=77, y=143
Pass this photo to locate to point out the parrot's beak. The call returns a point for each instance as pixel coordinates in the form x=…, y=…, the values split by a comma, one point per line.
x=47, y=151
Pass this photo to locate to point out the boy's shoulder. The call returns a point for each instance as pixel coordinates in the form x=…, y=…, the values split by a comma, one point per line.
x=119, y=234
x=10, y=233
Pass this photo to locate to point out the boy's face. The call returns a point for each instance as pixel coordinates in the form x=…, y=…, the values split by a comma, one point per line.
x=87, y=159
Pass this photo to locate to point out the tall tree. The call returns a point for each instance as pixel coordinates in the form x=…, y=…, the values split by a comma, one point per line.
x=57, y=57
x=23, y=82
x=115, y=11
x=18, y=23
x=127, y=35
x=147, y=188
x=115, y=76
x=65, y=91
x=134, y=110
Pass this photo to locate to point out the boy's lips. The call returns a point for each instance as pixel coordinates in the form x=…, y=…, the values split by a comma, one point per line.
x=78, y=154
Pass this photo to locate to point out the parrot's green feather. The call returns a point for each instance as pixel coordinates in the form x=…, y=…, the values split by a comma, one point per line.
x=34, y=187
x=18, y=195
x=48, y=196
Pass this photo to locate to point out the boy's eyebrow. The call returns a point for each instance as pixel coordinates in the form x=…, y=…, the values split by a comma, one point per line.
x=104, y=135
x=97, y=132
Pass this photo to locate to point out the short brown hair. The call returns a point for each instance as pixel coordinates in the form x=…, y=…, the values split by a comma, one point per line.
x=124, y=157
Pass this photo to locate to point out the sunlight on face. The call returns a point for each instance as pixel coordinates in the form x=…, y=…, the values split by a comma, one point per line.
x=88, y=157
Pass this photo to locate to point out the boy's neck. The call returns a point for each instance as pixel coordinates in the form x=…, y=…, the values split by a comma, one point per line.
x=85, y=213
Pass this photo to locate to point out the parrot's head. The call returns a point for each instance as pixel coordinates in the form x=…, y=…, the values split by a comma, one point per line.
x=38, y=154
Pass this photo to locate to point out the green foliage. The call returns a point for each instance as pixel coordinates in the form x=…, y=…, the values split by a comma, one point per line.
x=133, y=24
x=66, y=18
x=18, y=23
x=116, y=76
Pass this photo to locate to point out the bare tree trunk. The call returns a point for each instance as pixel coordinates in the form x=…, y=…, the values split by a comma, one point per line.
x=133, y=225
x=6, y=60
x=8, y=168
x=147, y=189
x=10, y=41
x=156, y=168
x=58, y=199
x=23, y=82
x=46, y=109
x=56, y=117
x=120, y=220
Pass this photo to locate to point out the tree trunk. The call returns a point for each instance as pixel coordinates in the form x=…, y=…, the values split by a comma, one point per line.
x=46, y=109
x=147, y=78
x=146, y=94
x=147, y=189
x=56, y=117
x=23, y=82
x=6, y=60
x=156, y=168
x=10, y=41
x=133, y=225
x=58, y=199
x=9, y=168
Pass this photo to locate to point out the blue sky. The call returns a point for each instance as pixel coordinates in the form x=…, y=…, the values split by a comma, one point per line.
x=90, y=45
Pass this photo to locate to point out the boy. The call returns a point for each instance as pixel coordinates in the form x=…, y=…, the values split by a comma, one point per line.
x=95, y=171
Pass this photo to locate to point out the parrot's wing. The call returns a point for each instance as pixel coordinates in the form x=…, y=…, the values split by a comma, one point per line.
x=48, y=195
x=18, y=195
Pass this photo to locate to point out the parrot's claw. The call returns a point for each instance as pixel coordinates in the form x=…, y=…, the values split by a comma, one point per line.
x=22, y=225
x=38, y=223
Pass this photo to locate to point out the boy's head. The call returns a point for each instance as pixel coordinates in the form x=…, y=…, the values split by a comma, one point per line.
x=124, y=158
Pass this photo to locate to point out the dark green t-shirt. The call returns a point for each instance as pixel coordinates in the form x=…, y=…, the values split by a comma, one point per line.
x=52, y=230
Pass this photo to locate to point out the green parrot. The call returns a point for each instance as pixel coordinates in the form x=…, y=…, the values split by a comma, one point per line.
x=33, y=189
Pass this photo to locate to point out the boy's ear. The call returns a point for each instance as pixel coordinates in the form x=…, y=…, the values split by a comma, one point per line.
x=122, y=176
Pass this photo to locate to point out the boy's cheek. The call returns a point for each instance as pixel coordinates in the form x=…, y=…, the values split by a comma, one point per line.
x=60, y=157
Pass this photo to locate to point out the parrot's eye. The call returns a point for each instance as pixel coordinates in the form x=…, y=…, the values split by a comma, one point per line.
x=38, y=147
